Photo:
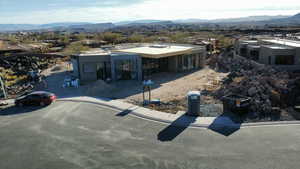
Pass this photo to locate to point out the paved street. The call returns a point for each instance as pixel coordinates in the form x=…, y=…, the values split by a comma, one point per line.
x=72, y=135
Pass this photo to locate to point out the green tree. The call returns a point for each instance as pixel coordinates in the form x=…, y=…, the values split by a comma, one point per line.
x=13, y=39
x=178, y=37
x=75, y=48
x=112, y=37
x=81, y=36
x=65, y=39
x=135, y=38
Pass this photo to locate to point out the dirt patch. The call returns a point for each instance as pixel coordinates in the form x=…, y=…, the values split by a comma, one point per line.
x=99, y=88
x=172, y=86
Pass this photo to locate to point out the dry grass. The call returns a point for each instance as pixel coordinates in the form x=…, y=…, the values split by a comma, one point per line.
x=9, y=78
x=238, y=79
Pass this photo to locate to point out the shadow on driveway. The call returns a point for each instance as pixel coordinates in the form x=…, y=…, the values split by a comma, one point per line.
x=227, y=124
x=14, y=110
x=173, y=130
x=124, y=113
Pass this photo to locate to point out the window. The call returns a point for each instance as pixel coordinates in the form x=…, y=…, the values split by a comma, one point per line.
x=33, y=96
x=185, y=62
x=284, y=60
x=254, y=54
x=243, y=51
x=180, y=62
x=126, y=70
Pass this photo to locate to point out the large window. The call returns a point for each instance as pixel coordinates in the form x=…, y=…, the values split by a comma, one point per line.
x=243, y=52
x=254, y=54
x=126, y=70
x=152, y=66
x=284, y=60
x=188, y=62
x=103, y=70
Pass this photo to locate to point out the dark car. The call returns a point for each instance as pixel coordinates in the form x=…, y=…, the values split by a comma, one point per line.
x=36, y=98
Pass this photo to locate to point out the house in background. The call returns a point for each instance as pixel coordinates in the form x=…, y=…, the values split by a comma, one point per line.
x=242, y=47
x=137, y=61
x=280, y=53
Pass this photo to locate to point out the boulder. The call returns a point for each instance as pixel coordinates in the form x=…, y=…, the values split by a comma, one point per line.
x=252, y=91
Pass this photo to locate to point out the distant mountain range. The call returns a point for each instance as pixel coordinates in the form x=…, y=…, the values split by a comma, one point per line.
x=280, y=20
x=232, y=20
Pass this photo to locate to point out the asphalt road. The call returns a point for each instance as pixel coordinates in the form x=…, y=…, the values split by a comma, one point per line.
x=70, y=135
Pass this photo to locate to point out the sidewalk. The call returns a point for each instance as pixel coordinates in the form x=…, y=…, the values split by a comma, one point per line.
x=179, y=119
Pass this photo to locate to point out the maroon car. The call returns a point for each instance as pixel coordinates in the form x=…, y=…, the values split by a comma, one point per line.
x=36, y=98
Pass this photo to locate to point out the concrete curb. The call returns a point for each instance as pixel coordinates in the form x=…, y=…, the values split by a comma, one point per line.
x=138, y=112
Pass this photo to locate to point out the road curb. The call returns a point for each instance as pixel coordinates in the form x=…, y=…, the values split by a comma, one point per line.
x=134, y=112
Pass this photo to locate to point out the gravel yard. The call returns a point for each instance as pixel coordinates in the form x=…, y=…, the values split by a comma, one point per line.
x=170, y=88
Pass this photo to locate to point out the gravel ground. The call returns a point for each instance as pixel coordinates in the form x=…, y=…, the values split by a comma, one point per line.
x=170, y=88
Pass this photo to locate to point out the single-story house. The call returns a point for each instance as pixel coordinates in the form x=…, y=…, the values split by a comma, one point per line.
x=137, y=62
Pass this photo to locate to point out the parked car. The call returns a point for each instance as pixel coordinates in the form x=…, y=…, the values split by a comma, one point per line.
x=36, y=98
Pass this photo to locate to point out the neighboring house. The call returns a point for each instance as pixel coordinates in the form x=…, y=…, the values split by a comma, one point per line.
x=277, y=55
x=280, y=53
x=242, y=47
x=137, y=62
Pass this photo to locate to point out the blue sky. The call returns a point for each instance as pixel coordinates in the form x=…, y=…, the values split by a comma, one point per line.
x=47, y=11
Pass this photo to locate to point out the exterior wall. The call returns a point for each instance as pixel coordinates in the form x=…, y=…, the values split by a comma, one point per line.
x=267, y=52
x=90, y=63
x=297, y=56
x=264, y=55
x=136, y=59
x=242, y=47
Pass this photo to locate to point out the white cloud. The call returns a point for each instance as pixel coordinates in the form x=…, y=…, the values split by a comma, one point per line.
x=163, y=9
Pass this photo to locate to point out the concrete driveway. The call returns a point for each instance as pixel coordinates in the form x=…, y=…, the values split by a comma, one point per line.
x=88, y=136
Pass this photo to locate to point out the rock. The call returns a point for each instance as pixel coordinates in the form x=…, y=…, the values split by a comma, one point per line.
x=266, y=86
x=252, y=91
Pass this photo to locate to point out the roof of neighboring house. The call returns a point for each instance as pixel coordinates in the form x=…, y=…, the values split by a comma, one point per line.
x=95, y=52
x=254, y=46
x=277, y=47
x=283, y=42
x=159, y=51
x=249, y=41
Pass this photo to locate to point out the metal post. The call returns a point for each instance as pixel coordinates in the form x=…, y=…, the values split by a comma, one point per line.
x=143, y=94
x=149, y=88
x=3, y=88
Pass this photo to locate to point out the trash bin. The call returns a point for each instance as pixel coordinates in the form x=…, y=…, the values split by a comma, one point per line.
x=236, y=104
x=194, y=103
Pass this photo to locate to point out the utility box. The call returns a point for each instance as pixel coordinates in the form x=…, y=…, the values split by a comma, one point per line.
x=194, y=103
x=236, y=104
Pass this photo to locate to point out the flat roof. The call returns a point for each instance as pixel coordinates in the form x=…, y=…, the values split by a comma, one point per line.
x=277, y=47
x=249, y=41
x=158, y=50
x=283, y=42
x=97, y=52
x=254, y=46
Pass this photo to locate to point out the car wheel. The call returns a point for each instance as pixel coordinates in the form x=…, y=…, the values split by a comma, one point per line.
x=42, y=104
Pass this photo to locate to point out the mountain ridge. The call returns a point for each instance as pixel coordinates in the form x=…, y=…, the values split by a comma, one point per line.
x=87, y=26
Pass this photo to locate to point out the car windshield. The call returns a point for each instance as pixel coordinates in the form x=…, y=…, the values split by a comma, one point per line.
x=149, y=84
